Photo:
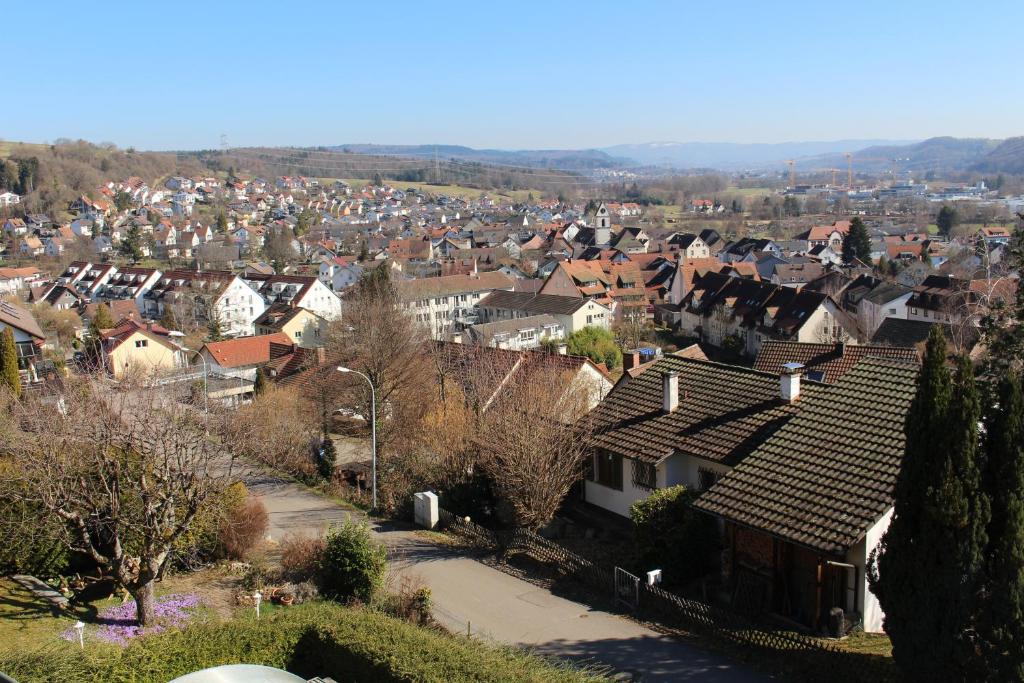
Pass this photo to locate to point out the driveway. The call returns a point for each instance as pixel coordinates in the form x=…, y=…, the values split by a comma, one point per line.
x=472, y=597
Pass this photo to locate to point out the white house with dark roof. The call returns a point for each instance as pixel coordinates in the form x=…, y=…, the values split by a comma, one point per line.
x=572, y=313
x=206, y=294
x=299, y=291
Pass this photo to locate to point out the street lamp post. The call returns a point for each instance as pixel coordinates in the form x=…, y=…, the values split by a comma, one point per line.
x=373, y=428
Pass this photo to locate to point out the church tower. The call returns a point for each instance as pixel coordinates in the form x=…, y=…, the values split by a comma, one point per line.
x=602, y=226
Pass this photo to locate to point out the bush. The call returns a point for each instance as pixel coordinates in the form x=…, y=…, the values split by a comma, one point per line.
x=309, y=640
x=300, y=557
x=409, y=598
x=352, y=564
x=204, y=540
x=670, y=535
x=36, y=549
x=597, y=344
x=242, y=527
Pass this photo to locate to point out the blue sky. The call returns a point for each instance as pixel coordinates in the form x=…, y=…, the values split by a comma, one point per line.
x=519, y=74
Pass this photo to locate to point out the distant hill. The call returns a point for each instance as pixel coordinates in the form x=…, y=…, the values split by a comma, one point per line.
x=729, y=156
x=571, y=160
x=1006, y=157
x=941, y=154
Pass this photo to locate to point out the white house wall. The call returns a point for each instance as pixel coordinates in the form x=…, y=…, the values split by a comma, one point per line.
x=618, y=501
x=858, y=556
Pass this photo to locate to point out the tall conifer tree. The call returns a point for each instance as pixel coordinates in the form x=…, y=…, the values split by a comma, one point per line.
x=1003, y=615
x=9, y=362
x=927, y=569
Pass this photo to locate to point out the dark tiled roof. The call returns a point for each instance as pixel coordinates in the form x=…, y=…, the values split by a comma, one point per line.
x=832, y=360
x=533, y=303
x=19, y=319
x=826, y=476
x=906, y=333
x=886, y=292
x=751, y=301
x=724, y=413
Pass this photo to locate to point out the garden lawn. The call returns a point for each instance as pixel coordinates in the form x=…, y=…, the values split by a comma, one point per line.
x=28, y=623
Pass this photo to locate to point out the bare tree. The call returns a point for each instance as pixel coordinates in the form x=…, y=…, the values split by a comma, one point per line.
x=532, y=442
x=279, y=428
x=379, y=338
x=125, y=472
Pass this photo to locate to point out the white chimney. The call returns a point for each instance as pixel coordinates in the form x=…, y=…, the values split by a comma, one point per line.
x=669, y=391
x=789, y=381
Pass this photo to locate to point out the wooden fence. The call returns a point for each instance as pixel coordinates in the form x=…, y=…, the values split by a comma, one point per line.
x=806, y=656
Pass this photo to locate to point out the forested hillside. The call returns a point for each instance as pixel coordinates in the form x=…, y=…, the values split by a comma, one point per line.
x=49, y=177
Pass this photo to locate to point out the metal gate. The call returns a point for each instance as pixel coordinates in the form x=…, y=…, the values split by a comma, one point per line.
x=627, y=588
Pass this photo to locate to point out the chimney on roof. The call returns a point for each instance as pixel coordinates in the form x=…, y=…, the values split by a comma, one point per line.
x=669, y=391
x=789, y=381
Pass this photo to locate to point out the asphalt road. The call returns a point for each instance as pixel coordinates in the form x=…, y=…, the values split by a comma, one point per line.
x=472, y=597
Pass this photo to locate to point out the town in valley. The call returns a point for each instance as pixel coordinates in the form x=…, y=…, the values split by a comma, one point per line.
x=514, y=409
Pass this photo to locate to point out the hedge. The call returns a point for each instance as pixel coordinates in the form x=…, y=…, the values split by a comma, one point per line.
x=317, y=639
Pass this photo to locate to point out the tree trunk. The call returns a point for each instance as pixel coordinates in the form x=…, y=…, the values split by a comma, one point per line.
x=145, y=603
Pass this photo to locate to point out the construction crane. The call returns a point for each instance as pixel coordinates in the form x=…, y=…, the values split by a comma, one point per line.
x=833, y=171
x=849, y=170
x=792, y=172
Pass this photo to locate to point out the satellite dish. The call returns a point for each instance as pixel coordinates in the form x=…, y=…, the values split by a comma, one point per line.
x=240, y=673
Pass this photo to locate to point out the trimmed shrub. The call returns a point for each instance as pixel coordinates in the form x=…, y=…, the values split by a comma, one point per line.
x=318, y=639
x=670, y=535
x=352, y=564
x=300, y=557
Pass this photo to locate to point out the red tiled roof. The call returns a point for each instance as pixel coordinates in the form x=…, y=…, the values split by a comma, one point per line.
x=234, y=353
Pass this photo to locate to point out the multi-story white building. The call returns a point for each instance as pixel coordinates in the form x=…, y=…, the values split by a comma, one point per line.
x=128, y=283
x=339, y=274
x=299, y=291
x=207, y=295
x=448, y=304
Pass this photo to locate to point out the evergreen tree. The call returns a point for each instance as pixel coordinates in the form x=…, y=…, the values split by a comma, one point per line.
x=325, y=463
x=946, y=220
x=222, y=222
x=9, y=376
x=903, y=562
x=935, y=543
x=302, y=224
x=131, y=244
x=1003, y=615
x=883, y=265
x=260, y=385
x=214, y=330
x=857, y=242
x=103, y=320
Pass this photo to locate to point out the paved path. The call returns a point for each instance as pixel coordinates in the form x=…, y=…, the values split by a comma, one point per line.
x=469, y=595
